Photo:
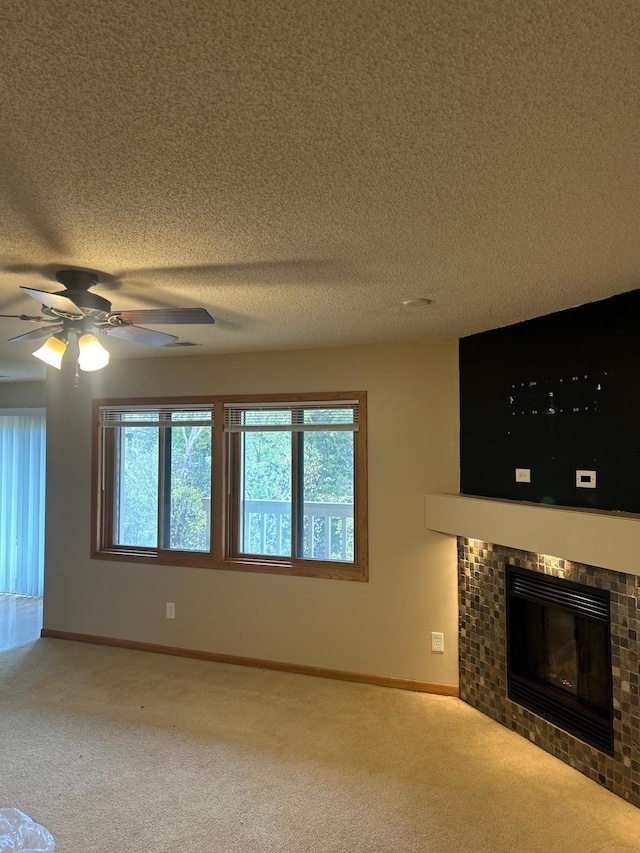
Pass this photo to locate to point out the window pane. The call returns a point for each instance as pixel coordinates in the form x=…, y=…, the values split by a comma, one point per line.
x=136, y=487
x=327, y=495
x=265, y=493
x=188, y=458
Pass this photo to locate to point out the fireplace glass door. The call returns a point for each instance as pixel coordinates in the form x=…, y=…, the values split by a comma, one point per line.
x=558, y=653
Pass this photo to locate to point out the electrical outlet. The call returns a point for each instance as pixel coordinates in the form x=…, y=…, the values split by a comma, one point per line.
x=523, y=475
x=171, y=610
x=437, y=641
x=586, y=479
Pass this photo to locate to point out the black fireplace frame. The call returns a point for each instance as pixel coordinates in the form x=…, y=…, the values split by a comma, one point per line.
x=591, y=725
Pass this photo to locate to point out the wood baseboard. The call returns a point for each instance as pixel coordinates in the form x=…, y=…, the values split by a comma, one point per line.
x=320, y=672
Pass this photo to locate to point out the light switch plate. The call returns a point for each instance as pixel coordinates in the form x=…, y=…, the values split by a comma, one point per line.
x=585, y=479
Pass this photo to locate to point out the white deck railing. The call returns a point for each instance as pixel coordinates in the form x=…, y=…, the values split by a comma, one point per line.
x=317, y=515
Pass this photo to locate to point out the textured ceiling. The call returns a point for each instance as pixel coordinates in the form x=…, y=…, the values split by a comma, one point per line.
x=299, y=167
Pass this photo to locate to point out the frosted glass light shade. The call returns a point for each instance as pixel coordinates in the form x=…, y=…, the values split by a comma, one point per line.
x=92, y=356
x=51, y=352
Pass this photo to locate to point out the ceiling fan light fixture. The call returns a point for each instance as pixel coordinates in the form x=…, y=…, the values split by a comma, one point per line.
x=51, y=352
x=92, y=355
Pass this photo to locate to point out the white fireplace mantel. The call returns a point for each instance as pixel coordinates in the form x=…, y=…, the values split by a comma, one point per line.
x=607, y=539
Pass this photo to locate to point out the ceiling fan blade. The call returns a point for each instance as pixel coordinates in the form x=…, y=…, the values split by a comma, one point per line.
x=55, y=301
x=43, y=332
x=172, y=316
x=140, y=335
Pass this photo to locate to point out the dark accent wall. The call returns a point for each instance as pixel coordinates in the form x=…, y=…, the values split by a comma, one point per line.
x=556, y=394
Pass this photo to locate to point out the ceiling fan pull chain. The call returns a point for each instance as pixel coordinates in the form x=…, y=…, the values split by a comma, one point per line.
x=77, y=382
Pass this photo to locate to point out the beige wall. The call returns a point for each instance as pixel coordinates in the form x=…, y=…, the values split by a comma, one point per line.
x=381, y=627
x=23, y=395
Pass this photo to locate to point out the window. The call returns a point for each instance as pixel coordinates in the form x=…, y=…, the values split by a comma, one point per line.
x=156, y=477
x=259, y=484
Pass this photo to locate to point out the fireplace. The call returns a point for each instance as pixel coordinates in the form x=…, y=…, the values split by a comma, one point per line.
x=562, y=670
x=559, y=653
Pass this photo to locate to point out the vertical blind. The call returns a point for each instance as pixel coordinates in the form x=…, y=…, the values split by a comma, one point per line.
x=22, y=482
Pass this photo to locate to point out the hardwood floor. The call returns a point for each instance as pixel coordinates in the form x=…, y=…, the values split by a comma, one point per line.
x=20, y=619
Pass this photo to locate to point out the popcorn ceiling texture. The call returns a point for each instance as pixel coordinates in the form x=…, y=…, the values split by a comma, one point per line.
x=483, y=667
x=300, y=168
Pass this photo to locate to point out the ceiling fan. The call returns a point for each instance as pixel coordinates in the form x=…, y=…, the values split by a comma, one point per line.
x=75, y=310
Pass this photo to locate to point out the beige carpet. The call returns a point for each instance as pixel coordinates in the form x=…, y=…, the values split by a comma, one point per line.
x=116, y=750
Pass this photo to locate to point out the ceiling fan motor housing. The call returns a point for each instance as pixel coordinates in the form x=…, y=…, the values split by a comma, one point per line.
x=77, y=283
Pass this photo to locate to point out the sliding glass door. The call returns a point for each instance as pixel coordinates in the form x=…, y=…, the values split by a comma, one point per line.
x=22, y=486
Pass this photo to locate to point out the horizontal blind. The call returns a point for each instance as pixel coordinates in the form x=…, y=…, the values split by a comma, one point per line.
x=171, y=415
x=311, y=416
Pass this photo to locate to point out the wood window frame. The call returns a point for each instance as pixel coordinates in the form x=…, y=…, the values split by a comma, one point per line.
x=224, y=518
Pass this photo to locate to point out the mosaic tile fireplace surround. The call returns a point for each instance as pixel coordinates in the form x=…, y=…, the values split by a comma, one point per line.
x=483, y=666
